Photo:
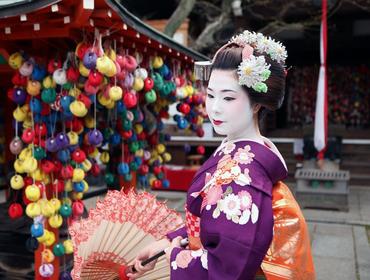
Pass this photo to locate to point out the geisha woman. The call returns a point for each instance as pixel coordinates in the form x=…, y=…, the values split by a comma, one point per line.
x=241, y=220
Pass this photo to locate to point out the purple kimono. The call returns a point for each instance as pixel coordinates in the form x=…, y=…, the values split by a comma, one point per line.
x=229, y=208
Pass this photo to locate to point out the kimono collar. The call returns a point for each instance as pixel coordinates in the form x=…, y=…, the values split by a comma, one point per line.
x=266, y=154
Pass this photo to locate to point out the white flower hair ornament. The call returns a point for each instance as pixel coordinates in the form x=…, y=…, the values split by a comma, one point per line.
x=253, y=71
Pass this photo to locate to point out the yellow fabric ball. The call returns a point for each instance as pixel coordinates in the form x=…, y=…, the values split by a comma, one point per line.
x=56, y=203
x=55, y=221
x=115, y=93
x=161, y=148
x=157, y=62
x=15, y=60
x=86, y=165
x=78, y=108
x=74, y=92
x=167, y=157
x=30, y=165
x=18, y=166
x=50, y=240
x=19, y=115
x=33, y=210
x=68, y=246
x=78, y=175
x=68, y=187
x=73, y=137
x=77, y=195
x=16, y=182
x=32, y=192
x=89, y=121
x=47, y=209
x=83, y=70
x=44, y=237
x=104, y=157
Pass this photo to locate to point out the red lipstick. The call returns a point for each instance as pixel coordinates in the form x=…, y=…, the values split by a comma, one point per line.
x=216, y=122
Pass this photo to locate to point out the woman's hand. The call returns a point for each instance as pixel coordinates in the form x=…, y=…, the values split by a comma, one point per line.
x=176, y=243
x=146, y=253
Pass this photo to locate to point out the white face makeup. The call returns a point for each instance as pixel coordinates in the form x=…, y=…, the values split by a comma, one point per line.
x=228, y=106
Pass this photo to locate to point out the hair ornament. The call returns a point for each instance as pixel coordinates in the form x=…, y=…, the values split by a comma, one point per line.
x=253, y=71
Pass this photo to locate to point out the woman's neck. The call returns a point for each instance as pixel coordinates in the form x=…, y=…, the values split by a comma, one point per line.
x=252, y=132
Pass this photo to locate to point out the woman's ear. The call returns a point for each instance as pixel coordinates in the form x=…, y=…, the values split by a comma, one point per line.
x=256, y=108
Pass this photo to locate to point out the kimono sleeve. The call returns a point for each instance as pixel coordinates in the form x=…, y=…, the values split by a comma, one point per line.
x=179, y=232
x=236, y=234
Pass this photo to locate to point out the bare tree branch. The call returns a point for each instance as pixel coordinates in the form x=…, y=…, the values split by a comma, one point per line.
x=208, y=6
x=181, y=13
x=206, y=39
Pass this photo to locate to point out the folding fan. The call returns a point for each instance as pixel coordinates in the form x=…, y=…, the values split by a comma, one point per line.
x=108, y=241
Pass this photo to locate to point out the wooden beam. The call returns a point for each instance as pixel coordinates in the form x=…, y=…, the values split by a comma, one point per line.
x=29, y=34
x=81, y=15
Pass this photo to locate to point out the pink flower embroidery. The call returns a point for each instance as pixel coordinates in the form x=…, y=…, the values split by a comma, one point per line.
x=245, y=200
x=243, y=155
x=214, y=194
x=229, y=147
x=183, y=258
x=223, y=161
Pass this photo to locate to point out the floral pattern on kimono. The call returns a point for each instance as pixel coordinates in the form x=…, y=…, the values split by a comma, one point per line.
x=231, y=196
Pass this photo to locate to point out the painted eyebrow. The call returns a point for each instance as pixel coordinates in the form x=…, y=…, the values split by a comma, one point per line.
x=224, y=90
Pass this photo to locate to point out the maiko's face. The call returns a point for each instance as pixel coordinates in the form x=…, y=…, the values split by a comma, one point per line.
x=227, y=104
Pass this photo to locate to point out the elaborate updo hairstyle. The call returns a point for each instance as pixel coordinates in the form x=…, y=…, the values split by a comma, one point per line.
x=231, y=57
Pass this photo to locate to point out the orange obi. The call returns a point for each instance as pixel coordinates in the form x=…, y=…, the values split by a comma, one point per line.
x=289, y=255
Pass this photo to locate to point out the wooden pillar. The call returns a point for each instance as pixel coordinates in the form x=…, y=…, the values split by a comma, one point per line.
x=126, y=186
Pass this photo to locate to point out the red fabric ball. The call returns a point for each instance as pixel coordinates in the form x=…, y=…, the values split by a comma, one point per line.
x=28, y=135
x=73, y=74
x=53, y=65
x=78, y=156
x=157, y=184
x=66, y=172
x=19, y=80
x=95, y=78
x=47, y=166
x=77, y=208
x=130, y=99
x=40, y=129
x=95, y=169
x=45, y=111
x=201, y=150
x=15, y=210
x=85, y=100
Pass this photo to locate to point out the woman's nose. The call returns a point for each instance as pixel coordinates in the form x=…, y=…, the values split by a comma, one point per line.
x=216, y=106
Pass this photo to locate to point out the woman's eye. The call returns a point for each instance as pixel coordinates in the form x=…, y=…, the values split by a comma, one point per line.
x=210, y=95
x=229, y=98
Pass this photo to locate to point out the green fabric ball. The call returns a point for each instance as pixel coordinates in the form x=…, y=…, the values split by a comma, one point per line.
x=67, y=86
x=158, y=81
x=107, y=133
x=58, y=249
x=134, y=146
x=166, y=89
x=160, y=176
x=48, y=95
x=127, y=177
x=126, y=125
x=39, y=153
x=109, y=178
x=150, y=96
x=65, y=210
x=133, y=166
